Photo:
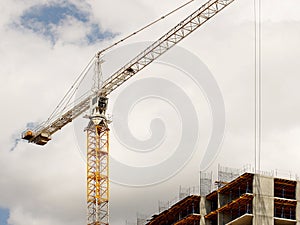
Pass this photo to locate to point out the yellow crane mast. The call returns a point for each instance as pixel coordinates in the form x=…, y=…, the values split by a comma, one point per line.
x=97, y=129
x=98, y=167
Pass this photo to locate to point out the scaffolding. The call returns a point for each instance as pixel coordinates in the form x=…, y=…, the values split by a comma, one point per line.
x=141, y=219
x=226, y=174
x=184, y=192
x=205, y=183
x=231, y=201
x=241, y=198
x=285, y=199
x=186, y=211
x=162, y=206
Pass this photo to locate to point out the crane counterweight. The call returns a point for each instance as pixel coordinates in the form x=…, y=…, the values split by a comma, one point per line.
x=40, y=139
x=27, y=135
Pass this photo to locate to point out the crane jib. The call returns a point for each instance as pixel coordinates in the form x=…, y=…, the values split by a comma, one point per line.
x=43, y=134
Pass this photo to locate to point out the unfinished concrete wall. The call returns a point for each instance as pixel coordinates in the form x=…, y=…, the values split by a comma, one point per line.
x=298, y=202
x=203, y=210
x=263, y=202
x=224, y=218
x=224, y=199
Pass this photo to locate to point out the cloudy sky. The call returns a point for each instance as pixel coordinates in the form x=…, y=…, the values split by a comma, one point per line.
x=46, y=44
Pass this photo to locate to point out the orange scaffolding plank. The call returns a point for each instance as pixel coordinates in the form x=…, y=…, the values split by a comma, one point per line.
x=189, y=220
x=173, y=213
x=240, y=181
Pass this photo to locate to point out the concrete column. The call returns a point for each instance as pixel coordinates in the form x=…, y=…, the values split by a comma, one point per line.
x=203, y=210
x=263, y=202
x=298, y=202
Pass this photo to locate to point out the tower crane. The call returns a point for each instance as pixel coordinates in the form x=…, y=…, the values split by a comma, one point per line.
x=98, y=129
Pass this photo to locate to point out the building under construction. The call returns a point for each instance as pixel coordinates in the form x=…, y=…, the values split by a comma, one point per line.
x=249, y=199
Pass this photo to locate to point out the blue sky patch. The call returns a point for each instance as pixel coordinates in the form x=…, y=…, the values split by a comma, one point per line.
x=4, y=214
x=96, y=34
x=53, y=14
x=43, y=19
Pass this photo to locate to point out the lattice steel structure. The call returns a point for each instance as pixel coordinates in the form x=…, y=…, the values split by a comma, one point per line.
x=42, y=134
x=97, y=174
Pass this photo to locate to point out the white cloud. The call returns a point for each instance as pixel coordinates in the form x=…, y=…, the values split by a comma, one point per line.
x=68, y=34
x=47, y=185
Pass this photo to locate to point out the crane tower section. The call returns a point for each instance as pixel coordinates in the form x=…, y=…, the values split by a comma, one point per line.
x=97, y=154
x=98, y=164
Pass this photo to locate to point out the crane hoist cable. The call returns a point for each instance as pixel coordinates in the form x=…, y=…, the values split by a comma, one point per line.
x=145, y=27
x=257, y=85
x=67, y=99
